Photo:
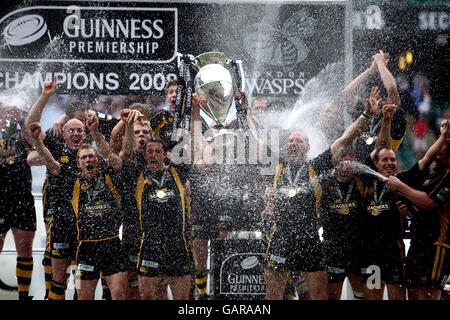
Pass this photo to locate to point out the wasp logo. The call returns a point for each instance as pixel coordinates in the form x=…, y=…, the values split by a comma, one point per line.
x=284, y=45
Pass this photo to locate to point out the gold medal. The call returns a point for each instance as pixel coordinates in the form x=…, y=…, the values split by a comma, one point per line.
x=345, y=210
x=10, y=159
x=375, y=211
x=292, y=192
x=160, y=194
x=369, y=140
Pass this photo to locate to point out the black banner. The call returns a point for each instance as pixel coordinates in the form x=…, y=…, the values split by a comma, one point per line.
x=237, y=269
x=130, y=48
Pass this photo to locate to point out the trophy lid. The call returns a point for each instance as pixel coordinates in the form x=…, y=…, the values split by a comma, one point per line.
x=212, y=57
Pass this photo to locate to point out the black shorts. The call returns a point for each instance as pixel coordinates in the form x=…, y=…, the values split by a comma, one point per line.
x=427, y=266
x=62, y=237
x=170, y=259
x=341, y=259
x=104, y=256
x=131, y=242
x=17, y=211
x=294, y=249
x=389, y=259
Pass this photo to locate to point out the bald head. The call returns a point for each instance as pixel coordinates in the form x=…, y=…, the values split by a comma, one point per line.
x=297, y=146
x=73, y=133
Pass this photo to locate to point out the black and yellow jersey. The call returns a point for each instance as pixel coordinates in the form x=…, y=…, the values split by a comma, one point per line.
x=365, y=142
x=163, y=205
x=14, y=170
x=299, y=192
x=54, y=190
x=341, y=210
x=383, y=221
x=432, y=226
x=96, y=203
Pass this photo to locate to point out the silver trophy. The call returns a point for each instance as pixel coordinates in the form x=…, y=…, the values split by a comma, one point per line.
x=216, y=82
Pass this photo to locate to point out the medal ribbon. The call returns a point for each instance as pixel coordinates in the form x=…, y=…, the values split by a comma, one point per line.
x=93, y=194
x=373, y=127
x=163, y=179
x=349, y=191
x=375, y=195
x=289, y=175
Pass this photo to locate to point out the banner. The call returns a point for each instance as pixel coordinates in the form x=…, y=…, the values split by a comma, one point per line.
x=130, y=47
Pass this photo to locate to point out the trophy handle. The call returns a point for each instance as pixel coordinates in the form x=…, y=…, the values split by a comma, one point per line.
x=189, y=90
x=237, y=73
x=180, y=95
x=185, y=88
x=241, y=74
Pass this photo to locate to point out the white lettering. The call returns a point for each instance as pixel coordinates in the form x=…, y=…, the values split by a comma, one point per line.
x=374, y=19
x=157, y=27
x=146, y=26
x=112, y=81
x=75, y=27
x=374, y=281
x=276, y=86
x=434, y=20
x=68, y=26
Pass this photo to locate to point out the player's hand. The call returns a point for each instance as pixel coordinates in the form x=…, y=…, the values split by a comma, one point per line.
x=389, y=111
x=393, y=183
x=381, y=58
x=133, y=116
x=373, y=102
x=49, y=87
x=402, y=208
x=124, y=114
x=444, y=127
x=35, y=130
x=92, y=123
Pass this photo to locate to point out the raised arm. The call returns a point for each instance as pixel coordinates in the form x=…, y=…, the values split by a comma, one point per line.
x=103, y=146
x=353, y=89
x=384, y=137
x=354, y=130
x=381, y=60
x=434, y=150
x=41, y=156
x=417, y=197
x=118, y=132
x=36, y=110
x=127, y=147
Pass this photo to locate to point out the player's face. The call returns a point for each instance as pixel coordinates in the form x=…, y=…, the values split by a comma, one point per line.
x=258, y=106
x=74, y=134
x=297, y=146
x=171, y=96
x=141, y=135
x=387, y=162
x=88, y=162
x=330, y=116
x=155, y=156
x=442, y=162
